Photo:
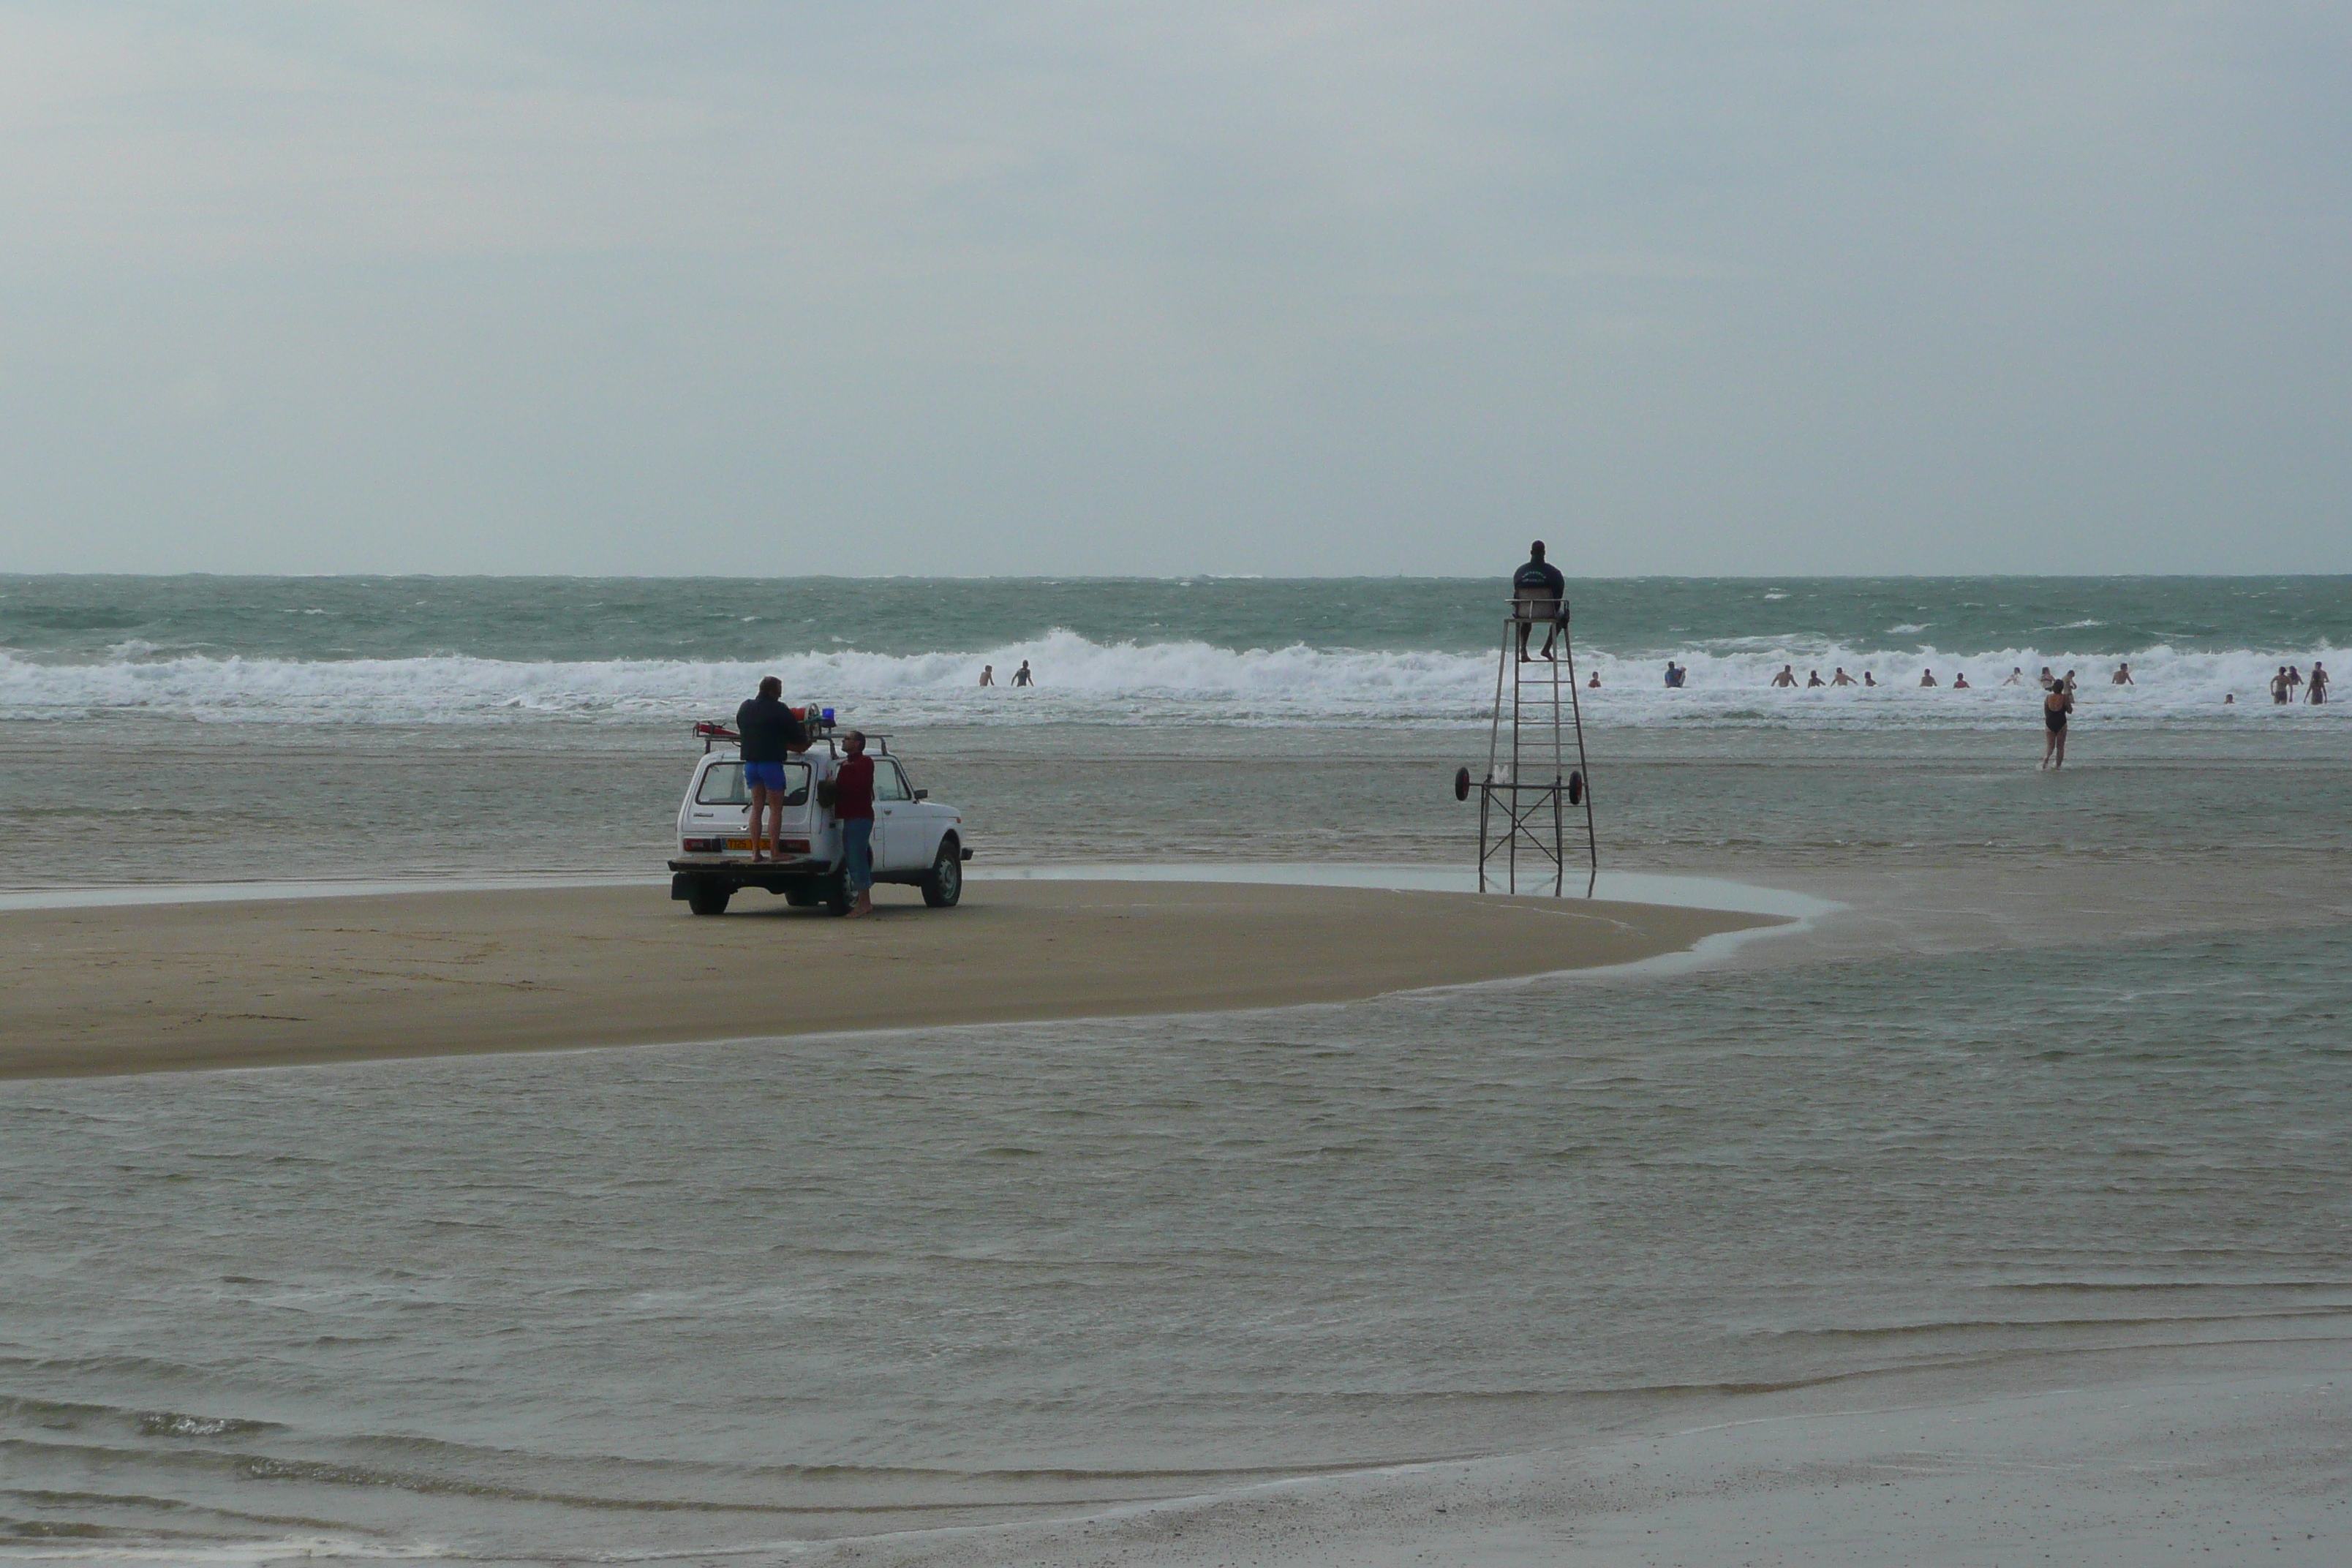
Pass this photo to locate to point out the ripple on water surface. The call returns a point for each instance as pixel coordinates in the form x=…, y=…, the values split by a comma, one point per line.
x=687, y=1296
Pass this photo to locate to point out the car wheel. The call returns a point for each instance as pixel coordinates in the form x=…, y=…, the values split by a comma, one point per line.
x=836, y=894
x=709, y=900
x=944, y=883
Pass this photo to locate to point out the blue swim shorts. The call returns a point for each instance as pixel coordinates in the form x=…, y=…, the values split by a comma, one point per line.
x=767, y=775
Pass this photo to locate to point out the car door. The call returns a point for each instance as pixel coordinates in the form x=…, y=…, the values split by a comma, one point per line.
x=717, y=806
x=898, y=839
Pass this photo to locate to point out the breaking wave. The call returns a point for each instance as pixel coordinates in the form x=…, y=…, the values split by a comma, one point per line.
x=1082, y=680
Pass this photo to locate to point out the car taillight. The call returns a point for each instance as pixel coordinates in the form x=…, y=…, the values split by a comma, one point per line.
x=703, y=846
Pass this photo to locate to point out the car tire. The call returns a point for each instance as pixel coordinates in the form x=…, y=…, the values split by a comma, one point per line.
x=708, y=900
x=943, y=883
x=836, y=893
x=802, y=895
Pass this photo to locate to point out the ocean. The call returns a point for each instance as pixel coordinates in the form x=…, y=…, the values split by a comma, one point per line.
x=2061, y=1092
x=1375, y=651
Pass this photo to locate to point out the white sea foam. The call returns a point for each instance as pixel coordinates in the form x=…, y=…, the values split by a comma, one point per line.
x=1146, y=682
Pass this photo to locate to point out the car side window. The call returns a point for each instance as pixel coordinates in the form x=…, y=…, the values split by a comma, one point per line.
x=890, y=783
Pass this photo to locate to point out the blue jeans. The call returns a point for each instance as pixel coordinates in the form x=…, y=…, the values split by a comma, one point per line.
x=857, y=848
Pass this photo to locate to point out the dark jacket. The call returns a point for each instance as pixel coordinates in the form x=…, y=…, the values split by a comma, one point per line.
x=771, y=733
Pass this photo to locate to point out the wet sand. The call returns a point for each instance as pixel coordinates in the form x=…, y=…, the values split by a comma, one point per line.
x=284, y=982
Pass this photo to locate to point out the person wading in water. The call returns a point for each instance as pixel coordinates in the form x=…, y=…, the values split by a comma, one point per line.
x=2054, y=709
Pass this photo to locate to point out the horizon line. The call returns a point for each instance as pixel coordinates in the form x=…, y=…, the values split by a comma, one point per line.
x=1188, y=576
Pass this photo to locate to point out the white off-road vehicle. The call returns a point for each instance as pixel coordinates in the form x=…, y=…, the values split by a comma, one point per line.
x=917, y=840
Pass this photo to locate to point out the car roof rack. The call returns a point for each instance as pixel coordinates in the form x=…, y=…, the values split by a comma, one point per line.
x=711, y=734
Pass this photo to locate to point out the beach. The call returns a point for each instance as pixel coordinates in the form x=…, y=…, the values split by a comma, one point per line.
x=264, y=982
x=1911, y=1158
x=1605, y=746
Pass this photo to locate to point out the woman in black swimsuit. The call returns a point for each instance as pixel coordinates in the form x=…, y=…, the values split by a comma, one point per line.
x=2054, y=709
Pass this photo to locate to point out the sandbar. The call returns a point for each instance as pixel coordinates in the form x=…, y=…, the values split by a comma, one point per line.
x=270, y=982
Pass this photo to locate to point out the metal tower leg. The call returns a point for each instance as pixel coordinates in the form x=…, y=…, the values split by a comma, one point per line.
x=1513, y=808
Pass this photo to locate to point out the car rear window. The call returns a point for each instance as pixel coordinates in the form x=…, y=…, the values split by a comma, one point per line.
x=723, y=785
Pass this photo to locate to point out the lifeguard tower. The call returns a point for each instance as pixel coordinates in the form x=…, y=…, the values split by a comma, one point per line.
x=1535, y=801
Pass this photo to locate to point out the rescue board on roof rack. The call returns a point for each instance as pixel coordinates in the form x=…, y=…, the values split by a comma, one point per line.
x=918, y=841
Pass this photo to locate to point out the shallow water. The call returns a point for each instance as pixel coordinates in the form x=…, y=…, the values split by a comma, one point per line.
x=2069, y=1074
x=674, y=1297
x=130, y=801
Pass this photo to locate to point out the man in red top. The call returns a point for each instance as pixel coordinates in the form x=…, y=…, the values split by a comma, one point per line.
x=853, y=806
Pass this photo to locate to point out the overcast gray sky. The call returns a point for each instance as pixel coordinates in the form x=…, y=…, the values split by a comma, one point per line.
x=1029, y=287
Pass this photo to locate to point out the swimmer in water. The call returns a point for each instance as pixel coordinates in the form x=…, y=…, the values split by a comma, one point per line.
x=1927, y=678
x=1813, y=679
x=2122, y=676
x=1960, y=682
x=1868, y=678
x=2316, y=689
x=1593, y=684
x=1788, y=676
x=987, y=675
x=2016, y=677
x=1842, y=678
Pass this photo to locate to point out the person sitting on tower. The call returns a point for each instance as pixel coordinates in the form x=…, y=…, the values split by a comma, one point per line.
x=1537, y=593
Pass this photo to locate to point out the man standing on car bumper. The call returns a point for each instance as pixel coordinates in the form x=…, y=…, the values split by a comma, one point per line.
x=852, y=807
x=770, y=736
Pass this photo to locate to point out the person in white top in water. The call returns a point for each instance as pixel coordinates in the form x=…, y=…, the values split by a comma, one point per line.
x=2048, y=680
x=2122, y=676
x=1788, y=676
x=2016, y=676
x=987, y=675
x=2318, y=691
x=1021, y=677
